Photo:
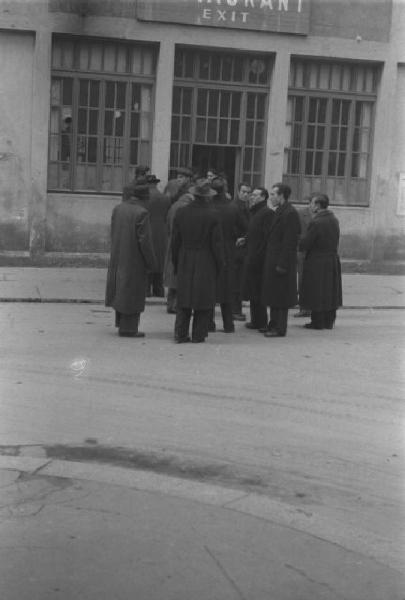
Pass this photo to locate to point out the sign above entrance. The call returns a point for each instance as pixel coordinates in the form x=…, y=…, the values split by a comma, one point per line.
x=281, y=16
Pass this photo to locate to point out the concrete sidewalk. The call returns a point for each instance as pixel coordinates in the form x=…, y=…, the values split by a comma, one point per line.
x=94, y=532
x=33, y=284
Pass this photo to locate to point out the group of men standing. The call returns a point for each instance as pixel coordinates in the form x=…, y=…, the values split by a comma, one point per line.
x=222, y=251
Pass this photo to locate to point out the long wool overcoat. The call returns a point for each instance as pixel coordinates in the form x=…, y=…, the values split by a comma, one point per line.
x=169, y=277
x=158, y=207
x=197, y=253
x=261, y=218
x=132, y=256
x=280, y=289
x=233, y=226
x=322, y=279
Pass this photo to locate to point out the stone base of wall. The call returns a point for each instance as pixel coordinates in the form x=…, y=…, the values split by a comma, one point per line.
x=56, y=259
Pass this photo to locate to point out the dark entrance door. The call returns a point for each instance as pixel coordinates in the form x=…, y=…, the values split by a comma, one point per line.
x=221, y=158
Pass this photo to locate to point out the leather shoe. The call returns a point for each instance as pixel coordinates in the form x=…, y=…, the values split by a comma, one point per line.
x=312, y=326
x=229, y=330
x=132, y=334
x=271, y=333
x=263, y=329
x=171, y=311
x=251, y=325
x=197, y=340
x=182, y=340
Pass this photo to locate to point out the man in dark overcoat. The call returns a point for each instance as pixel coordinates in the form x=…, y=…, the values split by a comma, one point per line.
x=233, y=226
x=132, y=256
x=180, y=198
x=261, y=218
x=279, y=289
x=158, y=207
x=197, y=253
x=241, y=204
x=322, y=280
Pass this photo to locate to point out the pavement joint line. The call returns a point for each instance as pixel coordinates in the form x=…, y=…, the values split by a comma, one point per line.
x=148, y=303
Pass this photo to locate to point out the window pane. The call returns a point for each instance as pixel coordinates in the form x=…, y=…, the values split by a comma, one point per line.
x=225, y=104
x=67, y=91
x=318, y=163
x=175, y=128
x=202, y=102
x=236, y=104
x=212, y=131
x=296, y=141
x=341, y=164
x=134, y=125
x=186, y=129
x=83, y=92
x=215, y=68
x=189, y=64
x=187, y=100
x=261, y=104
x=96, y=57
x=320, y=137
x=213, y=103
x=298, y=108
x=93, y=121
x=176, y=100
x=109, y=58
x=94, y=93
x=249, y=133
x=310, y=137
x=251, y=105
x=200, y=130
x=204, y=66
x=121, y=89
x=234, y=138
x=223, y=131
x=259, y=134
x=227, y=68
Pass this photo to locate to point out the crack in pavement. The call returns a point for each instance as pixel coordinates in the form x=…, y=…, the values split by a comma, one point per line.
x=225, y=573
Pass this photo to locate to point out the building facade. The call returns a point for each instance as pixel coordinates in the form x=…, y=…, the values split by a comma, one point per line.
x=310, y=92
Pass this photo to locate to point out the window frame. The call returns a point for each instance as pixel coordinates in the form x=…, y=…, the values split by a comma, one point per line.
x=76, y=76
x=351, y=186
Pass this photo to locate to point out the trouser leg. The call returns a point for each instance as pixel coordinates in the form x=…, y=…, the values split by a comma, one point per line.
x=200, y=325
x=278, y=320
x=329, y=318
x=157, y=285
x=171, y=300
x=258, y=314
x=128, y=324
x=211, y=319
x=227, y=319
x=182, y=323
x=318, y=319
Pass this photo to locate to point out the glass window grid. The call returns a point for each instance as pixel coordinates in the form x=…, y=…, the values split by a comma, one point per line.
x=219, y=67
x=186, y=75
x=109, y=135
x=332, y=152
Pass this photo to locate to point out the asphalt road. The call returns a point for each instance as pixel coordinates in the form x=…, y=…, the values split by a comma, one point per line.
x=312, y=422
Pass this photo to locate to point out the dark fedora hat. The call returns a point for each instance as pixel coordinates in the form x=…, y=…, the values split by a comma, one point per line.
x=184, y=171
x=203, y=189
x=152, y=179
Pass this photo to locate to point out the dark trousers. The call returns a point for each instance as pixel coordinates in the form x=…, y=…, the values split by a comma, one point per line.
x=154, y=287
x=199, y=329
x=323, y=319
x=227, y=318
x=171, y=299
x=258, y=314
x=127, y=323
x=278, y=320
x=237, y=288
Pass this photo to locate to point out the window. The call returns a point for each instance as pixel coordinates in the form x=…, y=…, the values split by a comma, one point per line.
x=101, y=114
x=221, y=100
x=330, y=114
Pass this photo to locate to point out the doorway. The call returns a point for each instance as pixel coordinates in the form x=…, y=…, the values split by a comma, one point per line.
x=223, y=159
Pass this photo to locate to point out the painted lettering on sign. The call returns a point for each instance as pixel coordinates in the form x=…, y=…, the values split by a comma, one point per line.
x=284, y=16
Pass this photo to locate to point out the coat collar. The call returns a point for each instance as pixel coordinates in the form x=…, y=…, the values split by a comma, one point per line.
x=258, y=207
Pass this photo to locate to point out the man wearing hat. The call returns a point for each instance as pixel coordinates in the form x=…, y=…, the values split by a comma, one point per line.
x=179, y=198
x=197, y=253
x=131, y=258
x=158, y=207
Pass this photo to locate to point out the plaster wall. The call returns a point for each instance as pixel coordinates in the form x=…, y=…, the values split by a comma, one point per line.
x=80, y=223
x=16, y=76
